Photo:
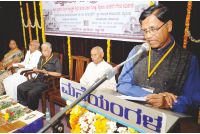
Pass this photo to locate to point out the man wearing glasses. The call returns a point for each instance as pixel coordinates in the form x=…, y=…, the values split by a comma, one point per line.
x=167, y=74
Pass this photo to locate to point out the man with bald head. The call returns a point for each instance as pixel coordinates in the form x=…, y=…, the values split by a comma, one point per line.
x=31, y=60
x=28, y=93
x=96, y=69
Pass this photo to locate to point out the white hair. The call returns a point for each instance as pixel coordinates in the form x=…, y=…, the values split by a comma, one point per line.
x=48, y=44
x=100, y=49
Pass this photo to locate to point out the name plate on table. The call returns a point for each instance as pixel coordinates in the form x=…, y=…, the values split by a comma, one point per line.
x=138, y=116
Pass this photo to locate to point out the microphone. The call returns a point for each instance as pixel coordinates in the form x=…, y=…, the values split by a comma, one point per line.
x=144, y=48
x=107, y=75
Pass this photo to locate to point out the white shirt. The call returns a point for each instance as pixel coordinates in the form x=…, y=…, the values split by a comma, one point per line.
x=31, y=59
x=94, y=71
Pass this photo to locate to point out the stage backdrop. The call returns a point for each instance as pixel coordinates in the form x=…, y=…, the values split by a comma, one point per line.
x=116, y=20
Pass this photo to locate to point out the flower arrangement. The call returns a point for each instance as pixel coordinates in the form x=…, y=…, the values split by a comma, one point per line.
x=84, y=121
x=14, y=113
x=2, y=120
x=5, y=104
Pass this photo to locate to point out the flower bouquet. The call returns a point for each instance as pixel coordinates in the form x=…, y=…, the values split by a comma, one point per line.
x=14, y=113
x=84, y=121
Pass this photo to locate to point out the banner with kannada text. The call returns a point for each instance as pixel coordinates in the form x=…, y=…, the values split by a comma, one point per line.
x=116, y=20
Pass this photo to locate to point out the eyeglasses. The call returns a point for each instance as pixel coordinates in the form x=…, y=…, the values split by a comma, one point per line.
x=153, y=30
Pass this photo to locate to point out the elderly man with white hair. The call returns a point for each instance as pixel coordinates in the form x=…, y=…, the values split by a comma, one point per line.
x=31, y=60
x=28, y=93
x=96, y=69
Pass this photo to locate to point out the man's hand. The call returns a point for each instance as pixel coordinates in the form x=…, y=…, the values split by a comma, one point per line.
x=44, y=71
x=40, y=71
x=161, y=100
x=169, y=98
x=36, y=70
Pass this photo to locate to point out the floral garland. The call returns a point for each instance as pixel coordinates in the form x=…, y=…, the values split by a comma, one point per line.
x=69, y=51
x=23, y=29
x=29, y=22
x=36, y=21
x=187, y=24
x=84, y=121
x=42, y=23
x=189, y=32
x=108, y=50
x=192, y=38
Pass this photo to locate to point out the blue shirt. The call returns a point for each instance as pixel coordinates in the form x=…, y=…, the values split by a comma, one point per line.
x=191, y=89
x=126, y=83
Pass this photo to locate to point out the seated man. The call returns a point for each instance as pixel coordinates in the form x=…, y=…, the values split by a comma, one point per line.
x=167, y=71
x=96, y=69
x=31, y=60
x=15, y=55
x=28, y=93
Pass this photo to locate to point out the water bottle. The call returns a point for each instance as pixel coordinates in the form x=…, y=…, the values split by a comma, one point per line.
x=47, y=115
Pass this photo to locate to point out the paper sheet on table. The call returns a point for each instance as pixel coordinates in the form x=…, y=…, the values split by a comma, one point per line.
x=131, y=98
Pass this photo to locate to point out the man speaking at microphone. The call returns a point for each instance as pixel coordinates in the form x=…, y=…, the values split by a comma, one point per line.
x=167, y=74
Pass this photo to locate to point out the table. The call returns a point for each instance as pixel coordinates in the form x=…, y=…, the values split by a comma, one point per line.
x=17, y=118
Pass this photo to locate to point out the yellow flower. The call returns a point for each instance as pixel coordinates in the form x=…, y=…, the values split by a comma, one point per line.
x=73, y=120
x=76, y=112
x=100, y=123
x=132, y=130
x=100, y=126
x=76, y=129
x=6, y=116
x=98, y=116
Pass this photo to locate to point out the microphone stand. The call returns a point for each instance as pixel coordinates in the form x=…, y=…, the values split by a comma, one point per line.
x=57, y=118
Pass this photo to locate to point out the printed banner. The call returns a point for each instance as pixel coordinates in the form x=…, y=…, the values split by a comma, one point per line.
x=116, y=20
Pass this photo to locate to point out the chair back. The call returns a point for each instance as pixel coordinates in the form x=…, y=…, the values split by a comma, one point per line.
x=55, y=82
x=78, y=66
x=60, y=57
